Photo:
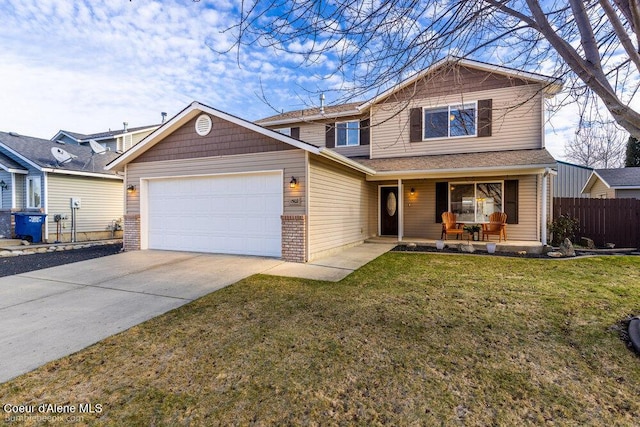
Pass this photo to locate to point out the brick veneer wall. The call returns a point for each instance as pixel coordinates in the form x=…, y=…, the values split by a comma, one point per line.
x=131, y=240
x=294, y=242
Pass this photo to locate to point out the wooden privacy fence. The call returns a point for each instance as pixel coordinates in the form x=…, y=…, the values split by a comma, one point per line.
x=603, y=220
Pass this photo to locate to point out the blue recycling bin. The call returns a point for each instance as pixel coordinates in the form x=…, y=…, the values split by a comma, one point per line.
x=29, y=226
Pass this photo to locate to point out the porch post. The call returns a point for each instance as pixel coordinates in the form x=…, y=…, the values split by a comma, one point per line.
x=400, y=211
x=543, y=220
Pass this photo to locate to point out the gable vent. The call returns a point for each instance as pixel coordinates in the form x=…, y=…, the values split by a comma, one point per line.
x=203, y=125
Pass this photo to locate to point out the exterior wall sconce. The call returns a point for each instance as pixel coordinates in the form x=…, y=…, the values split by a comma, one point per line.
x=293, y=183
x=3, y=185
x=131, y=188
x=413, y=191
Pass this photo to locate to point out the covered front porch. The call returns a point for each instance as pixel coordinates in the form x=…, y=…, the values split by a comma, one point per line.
x=412, y=193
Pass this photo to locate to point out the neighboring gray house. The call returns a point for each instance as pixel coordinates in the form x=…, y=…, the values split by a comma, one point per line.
x=571, y=180
x=32, y=180
x=113, y=140
x=620, y=183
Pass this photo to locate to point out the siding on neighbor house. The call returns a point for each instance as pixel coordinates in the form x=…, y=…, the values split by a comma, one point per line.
x=628, y=194
x=570, y=180
x=5, y=195
x=291, y=162
x=102, y=201
x=225, y=139
x=516, y=123
x=600, y=191
x=339, y=206
x=419, y=209
x=20, y=183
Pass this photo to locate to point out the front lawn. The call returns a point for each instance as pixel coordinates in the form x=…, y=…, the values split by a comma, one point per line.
x=420, y=339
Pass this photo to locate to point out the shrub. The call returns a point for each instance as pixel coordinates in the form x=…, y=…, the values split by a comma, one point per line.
x=562, y=227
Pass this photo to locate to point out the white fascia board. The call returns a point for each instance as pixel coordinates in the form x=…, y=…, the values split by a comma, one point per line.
x=626, y=187
x=339, y=158
x=460, y=172
x=79, y=173
x=591, y=181
x=312, y=118
x=553, y=85
x=15, y=153
x=188, y=113
x=12, y=170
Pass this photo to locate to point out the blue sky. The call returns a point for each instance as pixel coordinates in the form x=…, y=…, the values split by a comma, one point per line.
x=89, y=66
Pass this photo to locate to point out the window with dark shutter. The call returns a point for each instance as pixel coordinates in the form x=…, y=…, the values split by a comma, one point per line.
x=442, y=200
x=295, y=133
x=330, y=135
x=511, y=200
x=415, y=125
x=364, y=132
x=484, y=117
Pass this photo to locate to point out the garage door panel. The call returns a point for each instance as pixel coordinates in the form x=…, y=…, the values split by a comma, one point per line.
x=237, y=214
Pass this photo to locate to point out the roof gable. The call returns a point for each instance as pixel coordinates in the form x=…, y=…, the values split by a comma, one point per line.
x=491, y=75
x=617, y=179
x=194, y=110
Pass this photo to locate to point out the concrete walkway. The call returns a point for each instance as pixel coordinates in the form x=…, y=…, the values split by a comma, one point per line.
x=51, y=313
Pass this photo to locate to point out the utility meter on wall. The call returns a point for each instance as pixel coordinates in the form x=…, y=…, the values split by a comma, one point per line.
x=76, y=203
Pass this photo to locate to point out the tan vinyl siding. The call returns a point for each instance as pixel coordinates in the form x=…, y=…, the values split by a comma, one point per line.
x=420, y=217
x=516, y=124
x=291, y=162
x=339, y=201
x=102, y=201
x=315, y=133
x=600, y=191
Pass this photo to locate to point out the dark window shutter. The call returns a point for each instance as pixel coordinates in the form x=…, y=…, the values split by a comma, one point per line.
x=415, y=125
x=295, y=133
x=442, y=200
x=364, y=132
x=484, y=117
x=330, y=135
x=511, y=201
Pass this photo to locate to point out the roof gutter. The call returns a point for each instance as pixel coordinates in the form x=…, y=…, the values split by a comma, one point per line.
x=453, y=172
x=339, y=158
x=90, y=174
x=311, y=118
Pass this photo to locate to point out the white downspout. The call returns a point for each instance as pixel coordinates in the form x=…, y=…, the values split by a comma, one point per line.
x=543, y=225
x=400, y=211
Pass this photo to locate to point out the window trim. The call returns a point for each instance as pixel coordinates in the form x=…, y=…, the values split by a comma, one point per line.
x=475, y=189
x=347, y=128
x=454, y=104
x=31, y=179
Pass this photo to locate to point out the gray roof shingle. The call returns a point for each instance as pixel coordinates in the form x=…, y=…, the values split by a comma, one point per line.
x=620, y=177
x=106, y=134
x=9, y=163
x=38, y=151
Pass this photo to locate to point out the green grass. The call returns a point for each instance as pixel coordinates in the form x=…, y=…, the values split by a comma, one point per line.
x=409, y=339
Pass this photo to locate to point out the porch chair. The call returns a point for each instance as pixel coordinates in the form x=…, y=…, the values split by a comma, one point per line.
x=450, y=225
x=497, y=225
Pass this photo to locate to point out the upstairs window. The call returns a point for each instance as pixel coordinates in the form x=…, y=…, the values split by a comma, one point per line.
x=284, y=131
x=347, y=133
x=450, y=121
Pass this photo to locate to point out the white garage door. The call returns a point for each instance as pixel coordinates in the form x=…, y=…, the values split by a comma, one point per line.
x=231, y=214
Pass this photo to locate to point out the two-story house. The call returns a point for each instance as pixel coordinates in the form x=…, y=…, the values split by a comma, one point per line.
x=118, y=141
x=461, y=136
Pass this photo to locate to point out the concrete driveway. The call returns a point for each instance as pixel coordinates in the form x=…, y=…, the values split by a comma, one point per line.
x=50, y=313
